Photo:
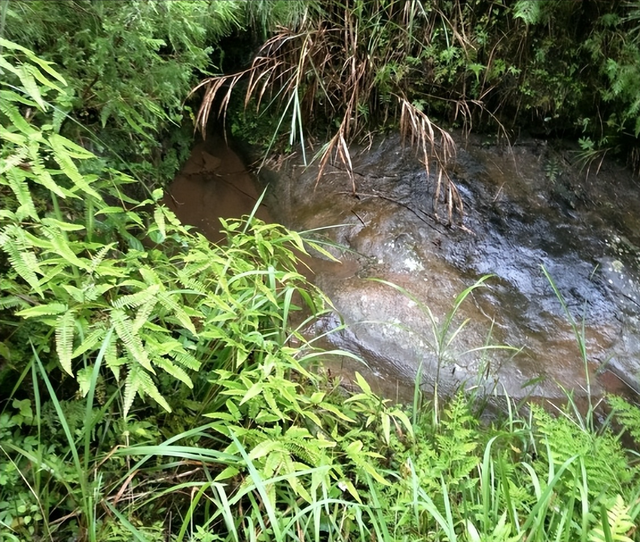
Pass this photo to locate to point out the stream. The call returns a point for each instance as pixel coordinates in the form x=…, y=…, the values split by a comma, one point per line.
x=525, y=207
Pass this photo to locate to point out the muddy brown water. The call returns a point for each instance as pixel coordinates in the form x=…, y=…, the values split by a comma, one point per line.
x=525, y=208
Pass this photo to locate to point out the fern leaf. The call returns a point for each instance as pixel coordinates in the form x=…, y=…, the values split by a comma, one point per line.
x=173, y=370
x=112, y=360
x=62, y=226
x=130, y=339
x=65, y=327
x=527, y=10
x=150, y=276
x=13, y=112
x=185, y=359
x=62, y=156
x=628, y=415
x=618, y=521
x=170, y=304
x=30, y=86
x=18, y=184
x=61, y=246
x=158, y=217
x=16, y=159
x=44, y=64
x=142, y=316
x=132, y=301
x=24, y=263
x=12, y=301
x=99, y=256
x=89, y=343
x=138, y=383
x=14, y=97
x=37, y=74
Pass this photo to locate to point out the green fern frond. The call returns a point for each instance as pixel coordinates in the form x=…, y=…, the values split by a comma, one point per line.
x=15, y=159
x=619, y=524
x=13, y=113
x=150, y=276
x=132, y=301
x=18, y=184
x=65, y=327
x=130, y=339
x=44, y=64
x=112, y=360
x=527, y=10
x=170, y=304
x=63, y=156
x=89, y=343
x=187, y=278
x=14, y=97
x=54, y=223
x=185, y=359
x=99, y=257
x=43, y=310
x=62, y=247
x=142, y=316
x=173, y=370
x=628, y=415
x=26, y=74
x=158, y=217
x=12, y=301
x=24, y=263
x=139, y=383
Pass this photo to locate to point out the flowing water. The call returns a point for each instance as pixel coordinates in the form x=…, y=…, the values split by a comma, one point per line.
x=525, y=208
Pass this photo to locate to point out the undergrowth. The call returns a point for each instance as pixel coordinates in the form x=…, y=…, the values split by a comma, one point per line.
x=156, y=388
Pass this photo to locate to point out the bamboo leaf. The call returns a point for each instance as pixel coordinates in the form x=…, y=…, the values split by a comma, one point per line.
x=43, y=310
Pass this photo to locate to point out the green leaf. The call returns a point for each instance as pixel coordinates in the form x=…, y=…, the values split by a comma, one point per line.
x=65, y=327
x=63, y=156
x=63, y=226
x=83, y=377
x=254, y=390
x=130, y=339
x=266, y=447
x=139, y=382
x=43, y=310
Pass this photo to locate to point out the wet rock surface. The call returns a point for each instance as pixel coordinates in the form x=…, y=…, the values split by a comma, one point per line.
x=525, y=208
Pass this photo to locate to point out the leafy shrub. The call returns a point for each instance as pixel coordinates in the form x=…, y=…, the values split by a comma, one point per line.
x=128, y=66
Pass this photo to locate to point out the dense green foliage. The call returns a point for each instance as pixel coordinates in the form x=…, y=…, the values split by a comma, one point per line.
x=129, y=66
x=157, y=387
